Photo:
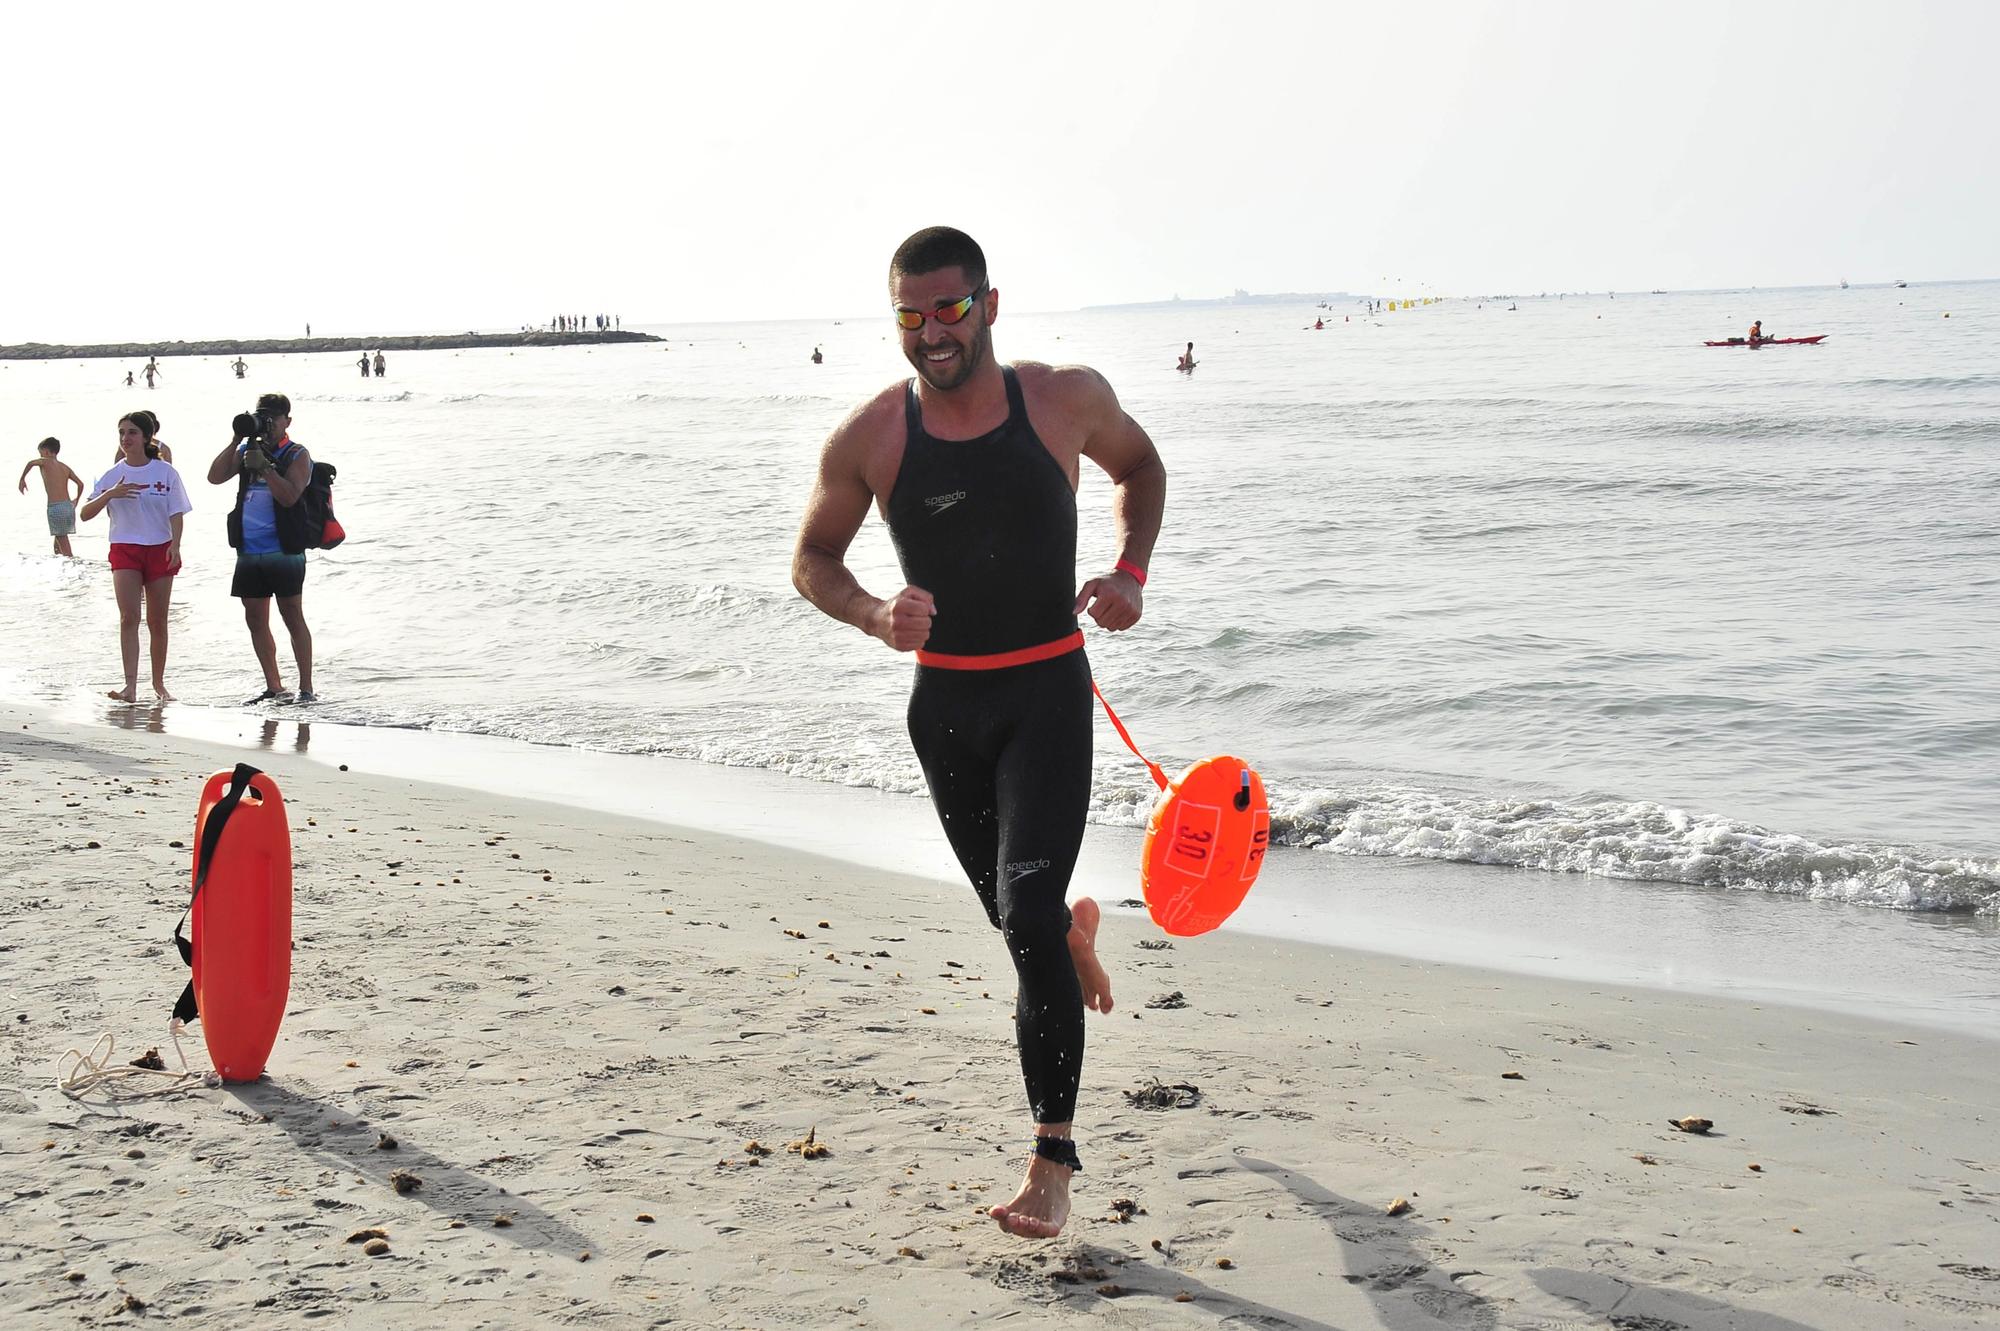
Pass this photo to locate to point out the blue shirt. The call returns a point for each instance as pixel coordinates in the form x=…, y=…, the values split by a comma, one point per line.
x=260, y=509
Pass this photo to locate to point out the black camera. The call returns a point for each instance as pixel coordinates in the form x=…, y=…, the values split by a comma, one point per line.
x=254, y=426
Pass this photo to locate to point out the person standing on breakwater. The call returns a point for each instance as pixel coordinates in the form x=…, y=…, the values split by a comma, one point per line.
x=57, y=479
x=147, y=501
x=271, y=474
x=381, y=366
x=974, y=464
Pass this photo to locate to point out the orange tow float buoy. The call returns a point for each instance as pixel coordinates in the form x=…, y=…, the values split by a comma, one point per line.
x=241, y=917
x=1205, y=843
x=1205, y=840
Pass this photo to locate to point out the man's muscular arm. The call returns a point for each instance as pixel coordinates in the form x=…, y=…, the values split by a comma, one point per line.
x=287, y=485
x=834, y=513
x=1116, y=443
x=223, y=469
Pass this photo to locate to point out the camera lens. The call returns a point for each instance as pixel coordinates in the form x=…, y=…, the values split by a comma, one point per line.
x=245, y=425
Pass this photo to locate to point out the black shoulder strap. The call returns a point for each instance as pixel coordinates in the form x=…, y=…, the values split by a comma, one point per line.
x=1017, y=406
x=211, y=837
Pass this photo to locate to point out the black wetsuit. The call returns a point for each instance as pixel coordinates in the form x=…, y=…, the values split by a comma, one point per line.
x=988, y=527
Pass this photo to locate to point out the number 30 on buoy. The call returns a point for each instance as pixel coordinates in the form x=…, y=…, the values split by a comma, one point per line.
x=1205, y=840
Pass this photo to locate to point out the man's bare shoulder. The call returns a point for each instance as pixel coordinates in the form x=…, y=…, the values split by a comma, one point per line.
x=1072, y=388
x=878, y=419
x=1068, y=381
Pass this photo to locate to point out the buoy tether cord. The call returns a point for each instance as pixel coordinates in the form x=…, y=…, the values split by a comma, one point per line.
x=1159, y=777
x=78, y=1072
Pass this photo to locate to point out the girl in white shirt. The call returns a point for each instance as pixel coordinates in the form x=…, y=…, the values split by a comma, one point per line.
x=146, y=500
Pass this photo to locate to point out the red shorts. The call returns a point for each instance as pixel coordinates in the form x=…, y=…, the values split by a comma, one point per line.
x=150, y=561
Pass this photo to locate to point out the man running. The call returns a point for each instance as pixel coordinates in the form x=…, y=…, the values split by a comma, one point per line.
x=974, y=465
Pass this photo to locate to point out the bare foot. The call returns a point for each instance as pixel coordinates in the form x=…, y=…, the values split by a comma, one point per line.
x=1084, y=918
x=130, y=693
x=1040, y=1208
x=160, y=692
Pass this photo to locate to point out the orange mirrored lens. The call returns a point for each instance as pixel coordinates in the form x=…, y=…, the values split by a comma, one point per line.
x=912, y=320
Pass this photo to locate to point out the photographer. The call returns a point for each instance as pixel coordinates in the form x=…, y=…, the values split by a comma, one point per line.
x=271, y=474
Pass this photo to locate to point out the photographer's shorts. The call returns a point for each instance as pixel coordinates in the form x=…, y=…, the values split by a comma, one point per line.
x=275, y=574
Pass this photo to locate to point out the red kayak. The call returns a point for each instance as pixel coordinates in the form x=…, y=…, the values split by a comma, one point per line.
x=1770, y=342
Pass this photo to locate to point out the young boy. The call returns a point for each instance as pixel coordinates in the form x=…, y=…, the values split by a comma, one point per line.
x=56, y=481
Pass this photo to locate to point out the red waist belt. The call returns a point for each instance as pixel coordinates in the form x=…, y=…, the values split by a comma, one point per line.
x=1001, y=660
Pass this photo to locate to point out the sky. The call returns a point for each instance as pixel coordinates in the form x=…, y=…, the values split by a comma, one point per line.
x=217, y=170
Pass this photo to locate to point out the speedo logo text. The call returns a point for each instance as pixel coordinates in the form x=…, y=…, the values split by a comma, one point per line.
x=939, y=503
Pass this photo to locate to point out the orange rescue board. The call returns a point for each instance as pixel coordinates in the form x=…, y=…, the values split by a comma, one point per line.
x=242, y=922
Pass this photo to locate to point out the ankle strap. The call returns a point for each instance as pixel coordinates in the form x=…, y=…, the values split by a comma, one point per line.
x=1060, y=1150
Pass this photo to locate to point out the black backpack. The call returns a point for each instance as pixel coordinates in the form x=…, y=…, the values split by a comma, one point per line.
x=320, y=529
x=307, y=525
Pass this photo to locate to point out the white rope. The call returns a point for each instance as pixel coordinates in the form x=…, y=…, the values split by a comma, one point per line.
x=77, y=1072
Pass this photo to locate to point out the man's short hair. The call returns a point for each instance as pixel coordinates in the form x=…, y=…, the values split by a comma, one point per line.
x=274, y=404
x=938, y=247
x=51, y=445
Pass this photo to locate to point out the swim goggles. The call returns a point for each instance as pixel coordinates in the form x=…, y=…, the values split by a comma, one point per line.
x=911, y=320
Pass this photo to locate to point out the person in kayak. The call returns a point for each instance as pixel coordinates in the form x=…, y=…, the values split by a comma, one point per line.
x=1757, y=330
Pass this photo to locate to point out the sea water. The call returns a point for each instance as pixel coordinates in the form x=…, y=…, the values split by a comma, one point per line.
x=1551, y=588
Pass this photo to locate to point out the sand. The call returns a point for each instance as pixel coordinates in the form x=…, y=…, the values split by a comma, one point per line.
x=572, y=1026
